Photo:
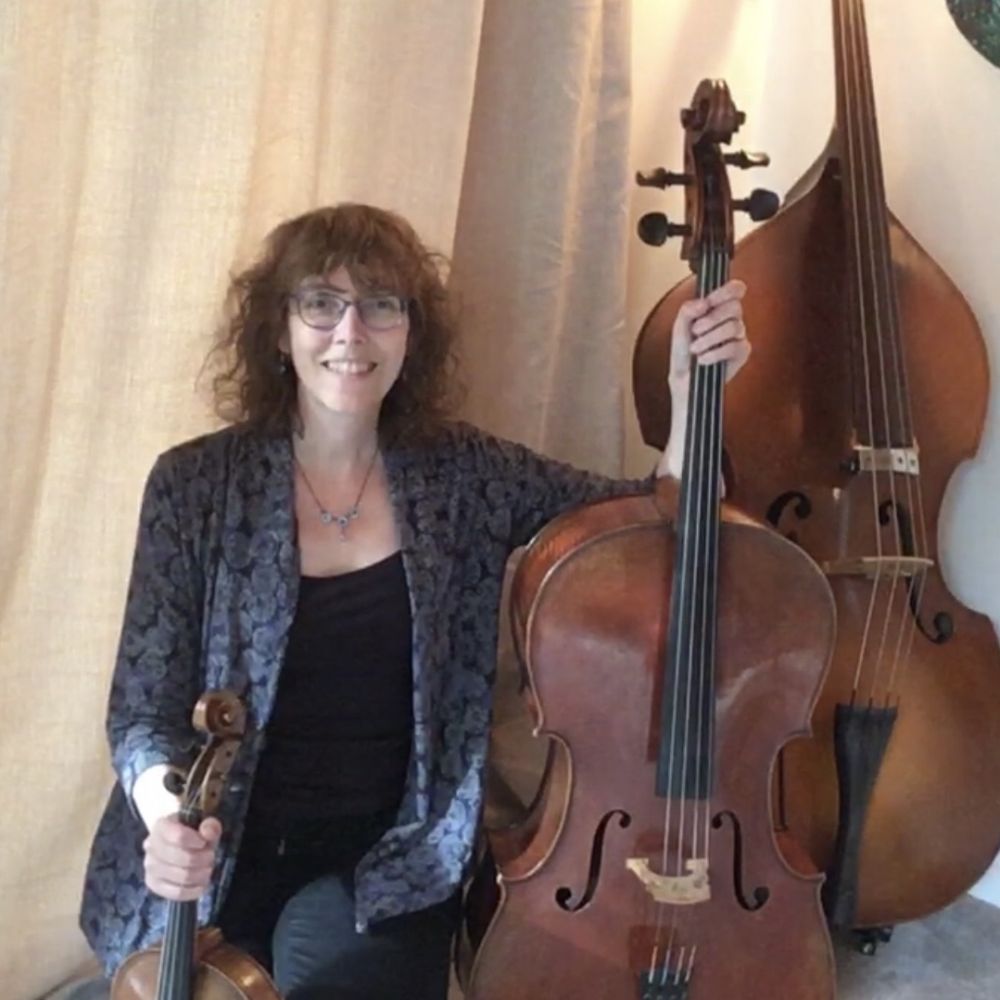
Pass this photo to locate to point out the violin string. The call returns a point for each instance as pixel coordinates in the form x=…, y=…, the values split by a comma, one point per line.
x=875, y=222
x=853, y=172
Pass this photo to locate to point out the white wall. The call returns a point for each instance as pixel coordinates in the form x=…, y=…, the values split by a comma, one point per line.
x=937, y=101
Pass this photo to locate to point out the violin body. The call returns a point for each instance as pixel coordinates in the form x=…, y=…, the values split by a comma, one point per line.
x=571, y=918
x=932, y=825
x=222, y=972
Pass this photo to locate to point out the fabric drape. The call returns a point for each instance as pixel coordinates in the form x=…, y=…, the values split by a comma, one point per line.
x=145, y=149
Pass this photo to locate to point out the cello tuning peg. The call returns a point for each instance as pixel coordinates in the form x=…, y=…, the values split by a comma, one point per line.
x=745, y=160
x=660, y=178
x=655, y=229
x=759, y=206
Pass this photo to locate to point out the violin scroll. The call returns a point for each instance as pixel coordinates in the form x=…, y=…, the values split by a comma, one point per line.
x=221, y=715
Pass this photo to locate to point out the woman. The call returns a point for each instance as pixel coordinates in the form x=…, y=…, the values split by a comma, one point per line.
x=342, y=529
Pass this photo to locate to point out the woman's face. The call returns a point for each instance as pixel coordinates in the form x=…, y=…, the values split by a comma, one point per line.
x=349, y=365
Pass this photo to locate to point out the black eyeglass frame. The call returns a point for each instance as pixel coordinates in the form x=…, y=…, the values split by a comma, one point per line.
x=404, y=307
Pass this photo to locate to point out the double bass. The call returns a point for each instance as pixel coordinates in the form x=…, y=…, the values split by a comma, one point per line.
x=193, y=964
x=867, y=388
x=671, y=646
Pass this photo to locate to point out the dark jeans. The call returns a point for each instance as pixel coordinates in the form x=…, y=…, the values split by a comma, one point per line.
x=291, y=906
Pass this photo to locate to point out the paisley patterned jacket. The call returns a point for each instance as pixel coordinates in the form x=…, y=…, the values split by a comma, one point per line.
x=212, y=595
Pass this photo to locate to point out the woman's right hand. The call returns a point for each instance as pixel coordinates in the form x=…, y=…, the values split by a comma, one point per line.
x=179, y=860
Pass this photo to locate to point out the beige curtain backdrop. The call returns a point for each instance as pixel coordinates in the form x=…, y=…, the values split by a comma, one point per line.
x=145, y=148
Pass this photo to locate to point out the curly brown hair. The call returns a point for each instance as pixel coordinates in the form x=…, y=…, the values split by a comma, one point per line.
x=380, y=250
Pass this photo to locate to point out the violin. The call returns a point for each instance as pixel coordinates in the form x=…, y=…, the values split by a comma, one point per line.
x=192, y=964
x=670, y=646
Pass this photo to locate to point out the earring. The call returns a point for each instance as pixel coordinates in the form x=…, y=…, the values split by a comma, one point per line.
x=283, y=365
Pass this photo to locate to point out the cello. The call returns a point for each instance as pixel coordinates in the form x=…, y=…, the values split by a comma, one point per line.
x=192, y=964
x=671, y=645
x=868, y=387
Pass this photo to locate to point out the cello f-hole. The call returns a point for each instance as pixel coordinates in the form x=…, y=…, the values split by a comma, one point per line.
x=761, y=894
x=564, y=894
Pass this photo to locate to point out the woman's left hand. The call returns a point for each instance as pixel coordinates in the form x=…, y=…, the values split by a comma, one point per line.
x=708, y=331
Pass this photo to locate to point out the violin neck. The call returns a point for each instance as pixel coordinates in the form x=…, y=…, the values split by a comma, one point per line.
x=177, y=966
x=882, y=417
x=684, y=767
x=175, y=981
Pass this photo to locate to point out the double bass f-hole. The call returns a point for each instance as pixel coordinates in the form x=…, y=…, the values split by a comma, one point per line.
x=891, y=513
x=942, y=624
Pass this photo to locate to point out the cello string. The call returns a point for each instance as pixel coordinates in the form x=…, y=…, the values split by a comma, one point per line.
x=874, y=221
x=691, y=529
x=680, y=601
x=697, y=561
x=843, y=15
x=714, y=486
x=690, y=969
x=696, y=564
x=685, y=639
x=705, y=518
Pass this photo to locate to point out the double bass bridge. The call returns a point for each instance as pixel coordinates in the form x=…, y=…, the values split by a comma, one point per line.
x=874, y=567
x=679, y=890
x=902, y=460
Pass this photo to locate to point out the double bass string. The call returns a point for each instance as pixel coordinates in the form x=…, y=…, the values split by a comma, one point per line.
x=903, y=403
x=874, y=220
x=858, y=178
x=895, y=393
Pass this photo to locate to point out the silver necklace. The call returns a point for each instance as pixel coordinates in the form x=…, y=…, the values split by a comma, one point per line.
x=328, y=516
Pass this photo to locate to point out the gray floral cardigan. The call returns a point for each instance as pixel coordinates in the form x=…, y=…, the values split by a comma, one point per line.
x=212, y=594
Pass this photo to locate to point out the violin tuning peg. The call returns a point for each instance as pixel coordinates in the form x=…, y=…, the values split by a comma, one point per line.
x=660, y=178
x=759, y=206
x=655, y=229
x=745, y=160
x=173, y=782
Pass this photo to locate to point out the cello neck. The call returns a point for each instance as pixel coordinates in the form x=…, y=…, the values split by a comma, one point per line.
x=685, y=766
x=882, y=416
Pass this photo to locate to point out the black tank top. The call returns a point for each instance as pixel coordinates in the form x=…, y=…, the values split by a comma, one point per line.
x=338, y=741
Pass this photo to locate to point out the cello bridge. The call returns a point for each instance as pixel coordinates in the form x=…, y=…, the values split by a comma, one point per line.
x=679, y=890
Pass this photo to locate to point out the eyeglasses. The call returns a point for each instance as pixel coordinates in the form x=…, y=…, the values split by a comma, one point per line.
x=323, y=309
